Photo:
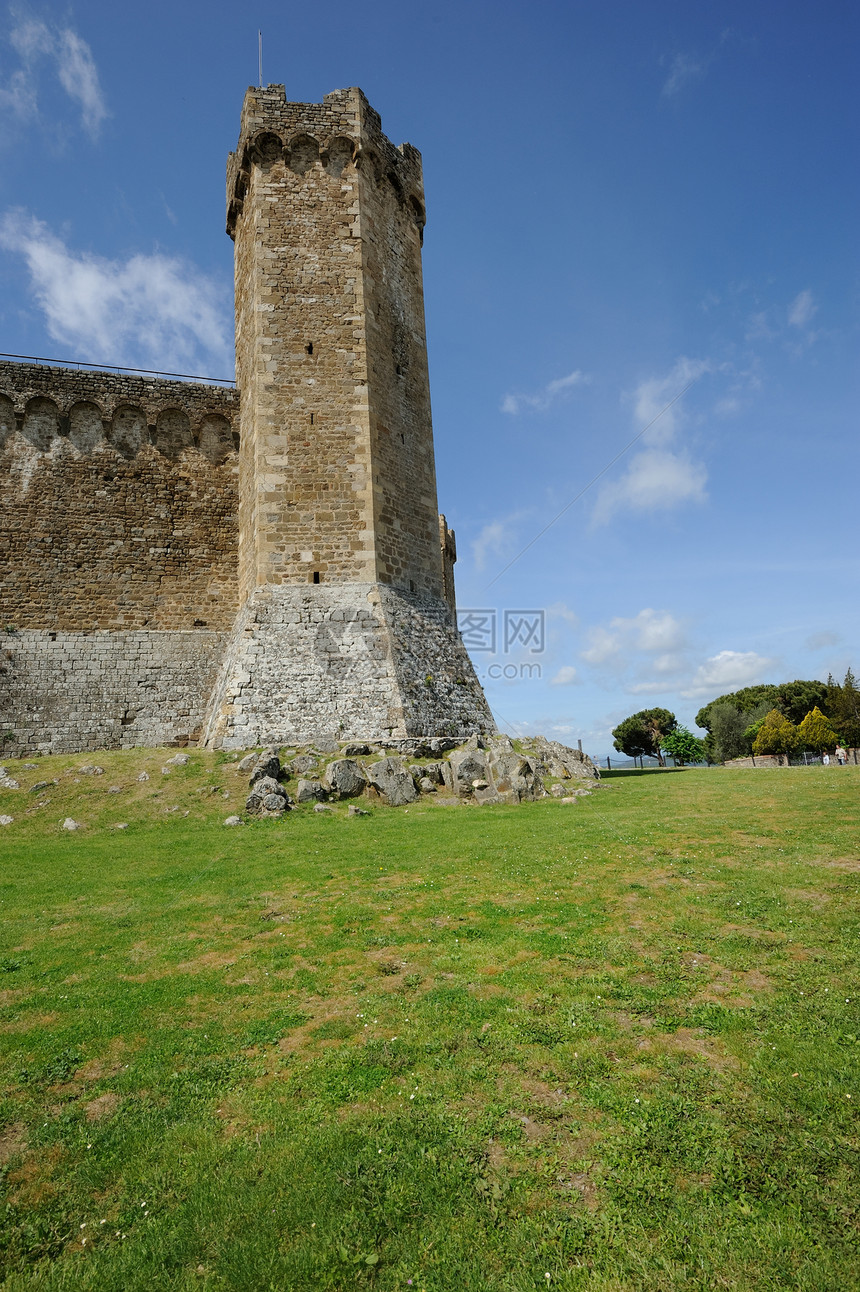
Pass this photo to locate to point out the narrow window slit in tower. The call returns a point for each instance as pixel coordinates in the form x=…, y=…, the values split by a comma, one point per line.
x=309, y=348
x=312, y=419
x=316, y=577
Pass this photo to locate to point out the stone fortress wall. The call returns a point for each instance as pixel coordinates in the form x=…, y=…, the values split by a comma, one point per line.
x=118, y=531
x=169, y=576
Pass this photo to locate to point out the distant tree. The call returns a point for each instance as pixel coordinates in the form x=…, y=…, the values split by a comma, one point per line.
x=793, y=699
x=643, y=733
x=683, y=746
x=843, y=707
x=816, y=733
x=776, y=735
x=730, y=734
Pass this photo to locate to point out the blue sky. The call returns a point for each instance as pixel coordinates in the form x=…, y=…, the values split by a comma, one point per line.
x=625, y=201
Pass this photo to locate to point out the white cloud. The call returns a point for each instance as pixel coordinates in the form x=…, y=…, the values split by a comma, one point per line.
x=72, y=59
x=802, y=309
x=728, y=671
x=654, y=480
x=149, y=311
x=682, y=70
x=652, y=631
x=565, y=676
x=657, y=477
x=514, y=404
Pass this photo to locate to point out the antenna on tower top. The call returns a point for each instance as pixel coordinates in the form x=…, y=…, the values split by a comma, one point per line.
x=260, y=55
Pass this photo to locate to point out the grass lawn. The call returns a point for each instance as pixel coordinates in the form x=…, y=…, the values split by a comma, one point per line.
x=609, y=1045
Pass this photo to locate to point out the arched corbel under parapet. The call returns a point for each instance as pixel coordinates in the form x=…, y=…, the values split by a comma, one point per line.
x=303, y=153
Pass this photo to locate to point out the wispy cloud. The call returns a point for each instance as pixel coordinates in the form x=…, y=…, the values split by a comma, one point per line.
x=802, y=309
x=683, y=69
x=497, y=540
x=554, y=390
x=566, y=676
x=38, y=43
x=149, y=311
x=659, y=476
x=822, y=641
x=729, y=670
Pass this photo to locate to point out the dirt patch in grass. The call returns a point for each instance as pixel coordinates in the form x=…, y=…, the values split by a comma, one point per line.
x=104, y=1106
x=13, y=1140
x=30, y=1022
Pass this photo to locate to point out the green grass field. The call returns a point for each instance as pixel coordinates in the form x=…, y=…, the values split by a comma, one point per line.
x=610, y=1045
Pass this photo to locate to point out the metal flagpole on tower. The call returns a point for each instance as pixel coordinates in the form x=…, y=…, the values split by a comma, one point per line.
x=260, y=55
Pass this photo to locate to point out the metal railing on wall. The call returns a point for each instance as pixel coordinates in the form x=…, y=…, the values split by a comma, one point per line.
x=112, y=367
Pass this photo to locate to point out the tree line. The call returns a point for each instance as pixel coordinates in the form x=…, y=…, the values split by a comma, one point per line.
x=781, y=718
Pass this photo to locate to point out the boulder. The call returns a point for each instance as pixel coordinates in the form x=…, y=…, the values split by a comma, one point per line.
x=467, y=765
x=245, y=764
x=344, y=778
x=326, y=745
x=322, y=807
x=266, y=785
x=40, y=785
x=309, y=791
x=143, y=776
x=356, y=751
x=274, y=803
x=71, y=824
x=514, y=775
x=233, y=820
x=6, y=820
x=393, y=781
x=303, y=763
x=426, y=786
x=9, y=783
x=253, y=802
x=267, y=766
x=434, y=771
x=555, y=759
x=178, y=760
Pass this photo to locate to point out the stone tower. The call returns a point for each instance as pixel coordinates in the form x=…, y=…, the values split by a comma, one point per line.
x=346, y=623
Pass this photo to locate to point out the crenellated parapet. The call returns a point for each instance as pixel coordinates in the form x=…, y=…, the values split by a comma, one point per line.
x=343, y=132
x=93, y=410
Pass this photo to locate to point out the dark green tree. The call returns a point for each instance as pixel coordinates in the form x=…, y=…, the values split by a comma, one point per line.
x=643, y=733
x=731, y=729
x=843, y=707
x=683, y=746
x=793, y=699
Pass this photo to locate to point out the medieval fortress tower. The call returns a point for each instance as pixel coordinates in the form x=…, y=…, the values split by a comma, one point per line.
x=183, y=562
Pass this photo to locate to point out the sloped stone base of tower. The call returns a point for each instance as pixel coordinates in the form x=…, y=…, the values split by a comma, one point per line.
x=351, y=661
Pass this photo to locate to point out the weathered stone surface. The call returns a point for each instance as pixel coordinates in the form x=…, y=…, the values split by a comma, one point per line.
x=247, y=763
x=9, y=783
x=266, y=785
x=426, y=786
x=7, y=820
x=233, y=820
x=393, y=781
x=302, y=763
x=322, y=807
x=557, y=760
x=178, y=760
x=467, y=765
x=345, y=778
x=309, y=791
x=273, y=803
x=71, y=824
x=253, y=802
x=267, y=766
x=40, y=785
x=514, y=775
x=143, y=776
x=352, y=810
x=356, y=750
